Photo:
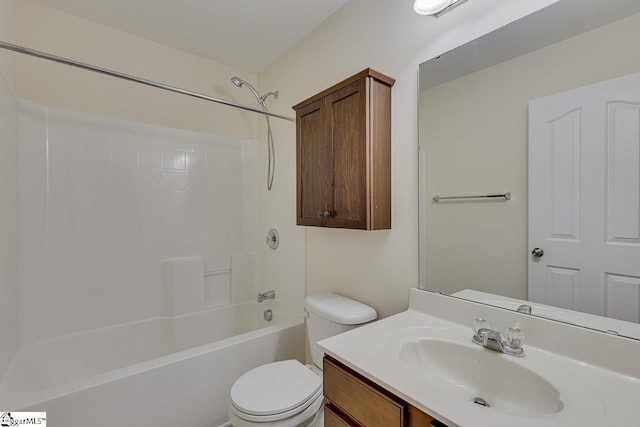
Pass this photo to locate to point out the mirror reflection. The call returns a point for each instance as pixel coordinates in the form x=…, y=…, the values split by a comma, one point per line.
x=548, y=110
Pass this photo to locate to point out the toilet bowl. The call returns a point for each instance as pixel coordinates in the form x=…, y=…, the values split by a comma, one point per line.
x=283, y=394
x=288, y=393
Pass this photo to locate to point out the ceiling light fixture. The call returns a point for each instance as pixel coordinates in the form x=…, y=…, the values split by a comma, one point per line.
x=435, y=7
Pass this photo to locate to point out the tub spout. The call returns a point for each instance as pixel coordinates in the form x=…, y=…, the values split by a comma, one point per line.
x=266, y=295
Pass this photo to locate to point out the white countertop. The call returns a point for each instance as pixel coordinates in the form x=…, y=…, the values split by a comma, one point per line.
x=592, y=394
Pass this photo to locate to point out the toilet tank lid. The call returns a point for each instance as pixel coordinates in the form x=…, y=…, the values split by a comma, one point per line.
x=339, y=309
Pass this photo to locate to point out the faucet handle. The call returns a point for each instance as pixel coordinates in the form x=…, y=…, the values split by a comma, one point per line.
x=514, y=337
x=480, y=323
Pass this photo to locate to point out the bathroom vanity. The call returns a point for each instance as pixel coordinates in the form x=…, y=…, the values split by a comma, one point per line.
x=352, y=399
x=421, y=368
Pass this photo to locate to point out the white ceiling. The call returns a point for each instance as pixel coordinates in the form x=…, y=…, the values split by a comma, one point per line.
x=245, y=34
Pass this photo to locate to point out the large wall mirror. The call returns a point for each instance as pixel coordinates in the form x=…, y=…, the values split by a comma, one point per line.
x=547, y=109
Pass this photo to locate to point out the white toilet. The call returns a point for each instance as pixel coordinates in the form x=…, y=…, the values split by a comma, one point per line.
x=288, y=393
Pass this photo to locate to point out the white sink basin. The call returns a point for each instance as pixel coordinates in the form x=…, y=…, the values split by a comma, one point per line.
x=470, y=371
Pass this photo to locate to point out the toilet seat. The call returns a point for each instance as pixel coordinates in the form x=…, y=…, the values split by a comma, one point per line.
x=275, y=391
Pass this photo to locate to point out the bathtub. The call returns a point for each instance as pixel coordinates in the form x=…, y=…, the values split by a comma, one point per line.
x=157, y=372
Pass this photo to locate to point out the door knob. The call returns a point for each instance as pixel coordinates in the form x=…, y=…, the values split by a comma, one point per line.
x=537, y=252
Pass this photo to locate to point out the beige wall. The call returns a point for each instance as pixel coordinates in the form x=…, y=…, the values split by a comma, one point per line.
x=377, y=268
x=47, y=29
x=474, y=133
x=8, y=193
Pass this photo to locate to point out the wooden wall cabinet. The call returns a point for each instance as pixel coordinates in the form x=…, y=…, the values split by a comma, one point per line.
x=343, y=154
x=354, y=401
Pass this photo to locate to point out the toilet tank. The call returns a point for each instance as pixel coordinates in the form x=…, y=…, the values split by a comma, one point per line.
x=331, y=314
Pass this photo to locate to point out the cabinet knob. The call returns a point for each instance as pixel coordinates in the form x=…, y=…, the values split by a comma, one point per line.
x=324, y=214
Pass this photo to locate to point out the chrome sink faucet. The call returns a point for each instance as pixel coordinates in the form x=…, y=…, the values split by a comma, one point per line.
x=266, y=295
x=510, y=343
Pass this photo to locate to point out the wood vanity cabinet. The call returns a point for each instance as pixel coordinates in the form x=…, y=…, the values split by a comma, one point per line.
x=343, y=154
x=352, y=400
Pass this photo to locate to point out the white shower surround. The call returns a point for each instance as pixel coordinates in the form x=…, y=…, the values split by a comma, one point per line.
x=163, y=371
x=106, y=209
x=8, y=191
x=103, y=202
x=8, y=226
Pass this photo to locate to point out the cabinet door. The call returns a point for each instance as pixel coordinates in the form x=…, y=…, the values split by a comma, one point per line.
x=348, y=121
x=315, y=168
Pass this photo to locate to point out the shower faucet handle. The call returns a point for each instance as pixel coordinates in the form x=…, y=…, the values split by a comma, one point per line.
x=325, y=214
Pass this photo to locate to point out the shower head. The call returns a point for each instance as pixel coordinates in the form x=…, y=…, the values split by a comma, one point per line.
x=261, y=99
x=237, y=81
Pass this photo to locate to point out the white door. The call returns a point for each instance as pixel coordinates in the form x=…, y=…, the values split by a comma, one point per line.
x=584, y=199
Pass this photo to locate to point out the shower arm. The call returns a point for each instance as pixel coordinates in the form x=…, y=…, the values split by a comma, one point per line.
x=105, y=71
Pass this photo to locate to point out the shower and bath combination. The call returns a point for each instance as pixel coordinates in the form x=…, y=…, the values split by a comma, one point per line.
x=74, y=322
x=270, y=148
